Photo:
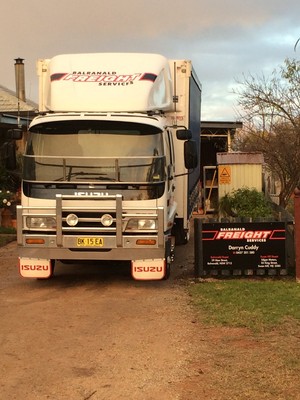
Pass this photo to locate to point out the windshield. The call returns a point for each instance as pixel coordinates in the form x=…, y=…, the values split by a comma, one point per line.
x=93, y=151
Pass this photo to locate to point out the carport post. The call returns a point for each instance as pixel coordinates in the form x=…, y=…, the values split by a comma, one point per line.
x=297, y=231
x=198, y=248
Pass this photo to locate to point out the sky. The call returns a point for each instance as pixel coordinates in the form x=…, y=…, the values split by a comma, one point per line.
x=225, y=39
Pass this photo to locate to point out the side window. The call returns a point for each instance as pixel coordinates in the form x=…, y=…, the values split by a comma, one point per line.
x=169, y=156
x=170, y=148
x=167, y=149
x=170, y=140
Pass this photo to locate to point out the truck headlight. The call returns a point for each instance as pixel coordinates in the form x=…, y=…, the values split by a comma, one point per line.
x=142, y=224
x=41, y=222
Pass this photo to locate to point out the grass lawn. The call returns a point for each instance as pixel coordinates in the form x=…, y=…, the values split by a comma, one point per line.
x=257, y=305
x=7, y=235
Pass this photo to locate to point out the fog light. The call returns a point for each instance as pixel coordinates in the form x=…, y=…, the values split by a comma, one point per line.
x=72, y=220
x=106, y=220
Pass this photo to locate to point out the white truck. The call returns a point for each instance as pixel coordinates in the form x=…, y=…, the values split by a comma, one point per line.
x=111, y=166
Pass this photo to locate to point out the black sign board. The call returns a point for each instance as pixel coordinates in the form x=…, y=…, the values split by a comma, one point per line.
x=253, y=245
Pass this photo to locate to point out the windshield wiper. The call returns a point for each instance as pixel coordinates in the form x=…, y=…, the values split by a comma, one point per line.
x=82, y=175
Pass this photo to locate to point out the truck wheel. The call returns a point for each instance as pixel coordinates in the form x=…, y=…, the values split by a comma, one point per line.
x=181, y=235
x=168, y=271
x=52, y=268
x=169, y=256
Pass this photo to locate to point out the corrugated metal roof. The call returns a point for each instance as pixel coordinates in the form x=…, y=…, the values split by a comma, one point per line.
x=221, y=125
x=240, y=158
x=9, y=102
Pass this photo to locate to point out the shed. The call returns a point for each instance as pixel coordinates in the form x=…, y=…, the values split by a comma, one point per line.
x=237, y=170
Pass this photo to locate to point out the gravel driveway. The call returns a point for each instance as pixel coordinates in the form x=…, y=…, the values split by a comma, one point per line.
x=92, y=333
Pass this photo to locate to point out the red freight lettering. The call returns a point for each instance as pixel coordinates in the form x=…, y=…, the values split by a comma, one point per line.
x=228, y=235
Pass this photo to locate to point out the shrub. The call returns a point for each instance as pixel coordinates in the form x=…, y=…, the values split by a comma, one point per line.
x=245, y=203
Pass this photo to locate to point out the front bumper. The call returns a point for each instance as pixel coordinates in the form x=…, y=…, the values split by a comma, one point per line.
x=65, y=242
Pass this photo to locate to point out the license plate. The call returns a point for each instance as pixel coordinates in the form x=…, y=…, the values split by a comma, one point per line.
x=90, y=242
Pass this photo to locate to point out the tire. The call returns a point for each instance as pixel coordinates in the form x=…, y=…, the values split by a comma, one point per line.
x=181, y=235
x=52, y=268
x=169, y=255
x=168, y=271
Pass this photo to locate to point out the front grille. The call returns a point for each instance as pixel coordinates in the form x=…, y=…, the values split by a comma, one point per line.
x=89, y=216
x=88, y=222
x=88, y=219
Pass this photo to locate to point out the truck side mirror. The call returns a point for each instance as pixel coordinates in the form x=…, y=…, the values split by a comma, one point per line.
x=14, y=134
x=190, y=154
x=184, y=134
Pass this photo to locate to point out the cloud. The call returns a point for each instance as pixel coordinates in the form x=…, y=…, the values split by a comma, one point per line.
x=223, y=39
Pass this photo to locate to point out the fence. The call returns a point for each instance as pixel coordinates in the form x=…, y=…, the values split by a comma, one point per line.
x=297, y=232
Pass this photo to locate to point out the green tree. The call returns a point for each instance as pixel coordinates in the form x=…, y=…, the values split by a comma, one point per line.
x=271, y=115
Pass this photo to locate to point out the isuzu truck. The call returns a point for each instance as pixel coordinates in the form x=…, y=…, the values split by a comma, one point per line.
x=111, y=166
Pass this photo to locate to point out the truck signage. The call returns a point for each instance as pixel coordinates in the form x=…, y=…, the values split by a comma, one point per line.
x=148, y=269
x=35, y=268
x=99, y=194
x=103, y=78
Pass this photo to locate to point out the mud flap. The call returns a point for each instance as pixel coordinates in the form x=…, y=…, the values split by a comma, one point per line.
x=148, y=269
x=35, y=268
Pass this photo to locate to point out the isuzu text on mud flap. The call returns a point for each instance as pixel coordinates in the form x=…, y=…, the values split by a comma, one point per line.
x=111, y=167
x=148, y=269
x=35, y=268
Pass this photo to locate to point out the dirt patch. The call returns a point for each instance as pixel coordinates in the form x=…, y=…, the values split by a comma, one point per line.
x=235, y=364
x=93, y=333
